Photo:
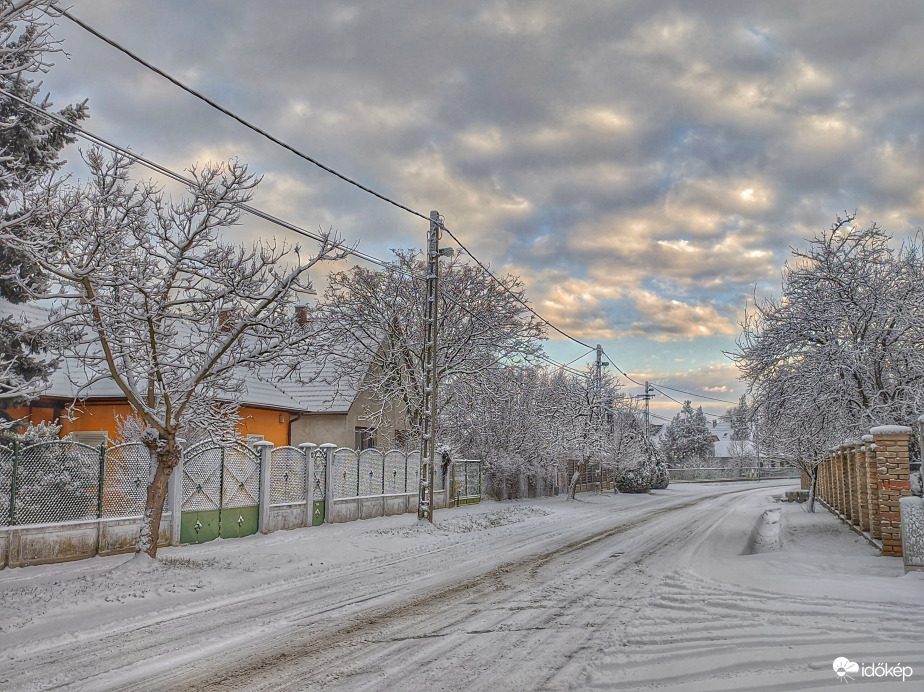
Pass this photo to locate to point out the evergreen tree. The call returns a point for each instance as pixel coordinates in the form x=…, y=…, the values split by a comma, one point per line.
x=687, y=440
x=739, y=417
x=29, y=152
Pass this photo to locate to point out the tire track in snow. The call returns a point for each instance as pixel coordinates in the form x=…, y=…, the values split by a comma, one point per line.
x=145, y=647
x=699, y=633
x=519, y=608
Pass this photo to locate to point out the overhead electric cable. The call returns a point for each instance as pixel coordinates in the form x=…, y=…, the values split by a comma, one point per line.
x=306, y=157
x=173, y=175
x=699, y=396
x=202, y=97
x=234, y=116
x=677, y=401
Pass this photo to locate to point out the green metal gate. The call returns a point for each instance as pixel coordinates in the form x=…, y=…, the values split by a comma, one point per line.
x=320, y=485
x=221, y=492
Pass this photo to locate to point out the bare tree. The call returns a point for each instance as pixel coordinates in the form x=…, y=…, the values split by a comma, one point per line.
x=839, y=350
x=150, y=297
x=377, y=317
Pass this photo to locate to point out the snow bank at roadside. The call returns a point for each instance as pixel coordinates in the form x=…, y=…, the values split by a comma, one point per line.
x=740, y=616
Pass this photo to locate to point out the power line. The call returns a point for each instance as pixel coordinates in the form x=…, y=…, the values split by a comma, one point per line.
x=581, y=356
x=272, y=138
x=308, y=158
x=676, y=401
x=699, y=396
x=234, y=116
x=664, y=386
x=173, y=175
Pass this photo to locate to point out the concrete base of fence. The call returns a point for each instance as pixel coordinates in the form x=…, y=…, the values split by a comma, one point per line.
x=353, y=508
x=38, y=544
x=912, y=518
x=285, y=517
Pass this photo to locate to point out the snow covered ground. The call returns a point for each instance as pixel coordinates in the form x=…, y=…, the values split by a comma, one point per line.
x=697, y=587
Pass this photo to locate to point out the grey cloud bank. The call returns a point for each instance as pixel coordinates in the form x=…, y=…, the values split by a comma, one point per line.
x=643, y=165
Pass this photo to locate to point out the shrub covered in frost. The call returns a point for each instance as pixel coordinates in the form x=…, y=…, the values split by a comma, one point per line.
x=660, y=479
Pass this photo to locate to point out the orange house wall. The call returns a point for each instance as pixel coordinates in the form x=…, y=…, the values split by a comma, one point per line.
x=273, y=425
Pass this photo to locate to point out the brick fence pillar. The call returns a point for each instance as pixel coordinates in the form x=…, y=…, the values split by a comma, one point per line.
x=873, y=484
x=894, y=471
x=862, y=487
x=820, y=483
x=853, y=460
x=842, y=494
x=849, y=482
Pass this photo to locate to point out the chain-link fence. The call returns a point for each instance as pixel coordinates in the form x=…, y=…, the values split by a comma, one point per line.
x=375, y=472
x=61, y=480
x=287, y=479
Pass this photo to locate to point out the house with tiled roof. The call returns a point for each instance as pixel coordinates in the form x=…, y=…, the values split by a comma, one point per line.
x=322, y=408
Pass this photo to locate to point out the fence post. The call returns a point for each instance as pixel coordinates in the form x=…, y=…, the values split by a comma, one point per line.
x=894, y=472
x=13, y=481
x=175, y=499
x=102, y=476
x=308, y=449
x=872, y=480
x=265, y=449
x=328, y=448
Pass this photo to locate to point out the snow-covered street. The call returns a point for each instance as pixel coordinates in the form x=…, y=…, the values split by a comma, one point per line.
x=610, y=591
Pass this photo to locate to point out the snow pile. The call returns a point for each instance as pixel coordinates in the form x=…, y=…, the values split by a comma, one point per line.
x=891, y=430
x=767, y=536
x=467, y=523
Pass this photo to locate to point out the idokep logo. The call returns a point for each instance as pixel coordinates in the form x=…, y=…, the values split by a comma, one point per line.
x=844, y=667
x=846, y=670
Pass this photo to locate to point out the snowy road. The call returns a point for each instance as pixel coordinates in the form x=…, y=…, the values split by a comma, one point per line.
x=612, y=591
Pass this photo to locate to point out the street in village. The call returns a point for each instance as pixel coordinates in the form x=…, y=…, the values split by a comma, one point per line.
x=676, y=589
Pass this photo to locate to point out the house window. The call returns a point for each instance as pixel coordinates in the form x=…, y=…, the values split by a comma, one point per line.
x=250, y=439
x=364, y=438
x=93, y=438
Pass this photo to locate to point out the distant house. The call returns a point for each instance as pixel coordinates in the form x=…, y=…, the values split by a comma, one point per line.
x=286, y=412
x=728, y=450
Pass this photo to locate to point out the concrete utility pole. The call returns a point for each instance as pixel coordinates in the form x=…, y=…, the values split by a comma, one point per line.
x=428, y=428
x=647, y=397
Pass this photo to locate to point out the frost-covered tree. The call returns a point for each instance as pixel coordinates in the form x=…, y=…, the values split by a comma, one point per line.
x=150, y=297
x=839, y=350
x=377, y=317
x=739, y=418
x=687, y=440
x=509, y=426
x=30, y=146
x=535, y=421
x=845, y=329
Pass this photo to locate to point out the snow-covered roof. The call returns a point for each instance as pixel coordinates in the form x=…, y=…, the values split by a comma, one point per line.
x=319, y=390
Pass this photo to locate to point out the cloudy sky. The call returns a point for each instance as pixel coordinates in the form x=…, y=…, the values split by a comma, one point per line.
x=643, y=166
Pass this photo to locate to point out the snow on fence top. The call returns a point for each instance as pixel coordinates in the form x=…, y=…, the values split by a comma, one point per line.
x=891, y=430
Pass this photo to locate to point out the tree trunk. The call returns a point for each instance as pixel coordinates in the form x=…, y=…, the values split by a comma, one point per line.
x=572, y=489
x=813, y=477
x=168, y=456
